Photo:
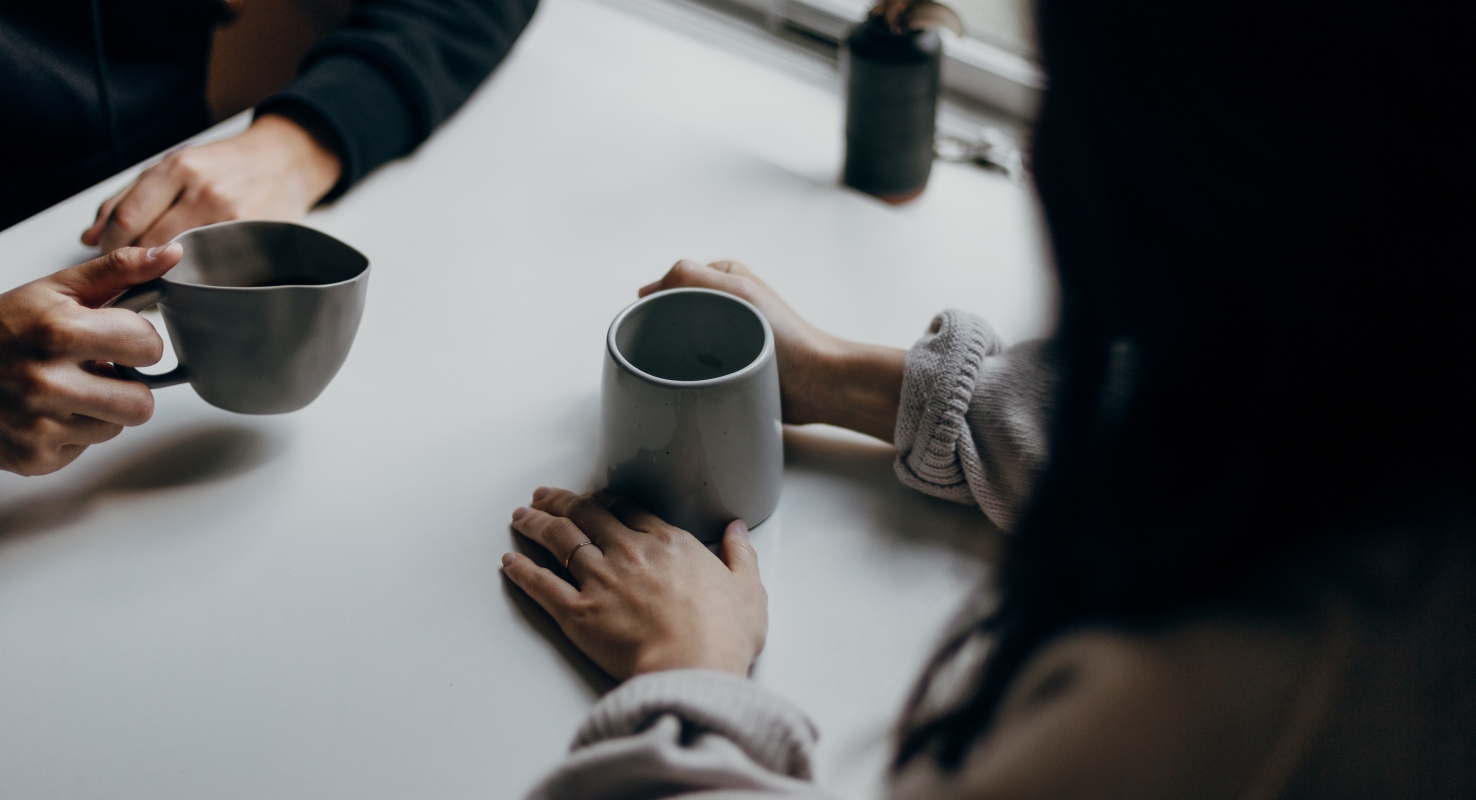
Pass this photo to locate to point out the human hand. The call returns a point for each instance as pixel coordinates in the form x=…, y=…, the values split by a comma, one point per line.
x=822, y=378
x=649, y=597
x=58, y=393
x=275, y=170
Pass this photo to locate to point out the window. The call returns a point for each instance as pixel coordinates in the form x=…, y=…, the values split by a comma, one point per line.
x=1009, y=24
x=995, y=63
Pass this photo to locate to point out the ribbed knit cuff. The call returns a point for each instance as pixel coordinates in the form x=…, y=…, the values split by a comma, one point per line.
x=362, y=104
x=776, y=735
x=938, y=379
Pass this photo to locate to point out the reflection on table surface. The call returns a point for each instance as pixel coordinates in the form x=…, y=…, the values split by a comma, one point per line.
x=309, y=605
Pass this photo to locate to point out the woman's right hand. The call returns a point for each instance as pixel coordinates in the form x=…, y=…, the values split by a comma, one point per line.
x=802, y=349
x=646, y=596
x=822, y=378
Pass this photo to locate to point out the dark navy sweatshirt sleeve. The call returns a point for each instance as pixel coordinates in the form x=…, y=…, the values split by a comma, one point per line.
x=379, y=85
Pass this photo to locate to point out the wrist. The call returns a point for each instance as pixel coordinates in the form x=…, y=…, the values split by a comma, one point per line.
x=859, y=386
x=663, y=659
x=808, y=371
x=314, y=164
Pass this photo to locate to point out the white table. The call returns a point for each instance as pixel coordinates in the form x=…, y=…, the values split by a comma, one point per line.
x=309, y=606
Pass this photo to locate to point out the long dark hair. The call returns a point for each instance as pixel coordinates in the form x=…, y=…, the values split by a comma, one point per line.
x=1262, y=222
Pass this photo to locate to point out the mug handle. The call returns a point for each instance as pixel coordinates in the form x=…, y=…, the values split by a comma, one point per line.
x=139, y=298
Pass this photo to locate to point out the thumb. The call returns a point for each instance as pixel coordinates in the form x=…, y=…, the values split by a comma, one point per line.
x=738, y=552
x=102, y=279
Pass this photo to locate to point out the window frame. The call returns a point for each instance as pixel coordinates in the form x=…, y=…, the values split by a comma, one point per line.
x=972, y=67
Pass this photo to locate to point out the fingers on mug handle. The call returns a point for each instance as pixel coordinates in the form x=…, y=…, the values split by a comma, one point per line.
x=115, y=334
x=76, y=392
x=95, y=282
x=552, y=593
x=83, y=431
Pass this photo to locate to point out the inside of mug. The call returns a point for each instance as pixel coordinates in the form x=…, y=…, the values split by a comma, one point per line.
x=261, y=254
x=690, y=336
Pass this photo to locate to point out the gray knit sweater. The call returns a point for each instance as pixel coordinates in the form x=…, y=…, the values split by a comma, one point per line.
x=971, y=426
x=971, y=429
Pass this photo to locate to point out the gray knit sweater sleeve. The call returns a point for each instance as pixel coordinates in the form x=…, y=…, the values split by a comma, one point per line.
x=971, y=426
x=684, y=734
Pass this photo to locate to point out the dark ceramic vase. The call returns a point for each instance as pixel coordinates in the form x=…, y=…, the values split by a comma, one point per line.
x=891, y=106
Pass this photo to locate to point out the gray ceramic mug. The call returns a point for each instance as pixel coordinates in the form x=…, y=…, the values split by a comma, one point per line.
x=262, y=314
x=690, y=424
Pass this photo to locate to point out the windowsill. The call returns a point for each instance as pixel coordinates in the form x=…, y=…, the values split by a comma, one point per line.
x=972, y=68
x=980, y=80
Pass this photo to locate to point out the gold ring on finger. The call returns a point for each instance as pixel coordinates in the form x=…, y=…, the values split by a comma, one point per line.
x=570, y=557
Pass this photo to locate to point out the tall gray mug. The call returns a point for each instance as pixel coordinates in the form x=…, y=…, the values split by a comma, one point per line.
x=690, y=424
x=261, y=314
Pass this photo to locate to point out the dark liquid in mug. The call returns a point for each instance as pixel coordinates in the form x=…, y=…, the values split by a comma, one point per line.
x=290, y=280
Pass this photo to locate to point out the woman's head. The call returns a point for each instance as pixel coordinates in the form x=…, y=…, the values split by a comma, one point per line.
x=1265, y=280
x=1259, y=232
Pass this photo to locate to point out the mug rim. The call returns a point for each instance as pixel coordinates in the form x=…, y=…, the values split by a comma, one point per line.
x=266, y=222
x=765, y=353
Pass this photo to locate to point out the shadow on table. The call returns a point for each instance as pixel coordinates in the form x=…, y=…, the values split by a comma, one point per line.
x=593, y=676
x=197, y=456
x=903, y=512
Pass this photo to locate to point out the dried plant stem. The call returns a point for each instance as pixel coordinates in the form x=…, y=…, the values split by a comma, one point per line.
x=901, y=16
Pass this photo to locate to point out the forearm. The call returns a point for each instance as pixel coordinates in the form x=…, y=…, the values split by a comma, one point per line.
x=312, y=161
x=396, y=69
x=855, y=386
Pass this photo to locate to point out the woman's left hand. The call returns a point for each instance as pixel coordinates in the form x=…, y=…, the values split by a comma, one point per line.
x=647, y=596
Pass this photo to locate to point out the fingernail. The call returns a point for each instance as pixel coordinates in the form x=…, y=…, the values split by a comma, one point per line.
x=648, y=288
x=518, y=513
x=540, y=492
x=508, y=558
x=155, y=252
x=740, y=526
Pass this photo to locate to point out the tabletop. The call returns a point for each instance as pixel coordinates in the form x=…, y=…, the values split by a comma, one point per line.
x=310, y=606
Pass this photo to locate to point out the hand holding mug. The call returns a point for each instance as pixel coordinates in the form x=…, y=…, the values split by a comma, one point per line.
x=645, y=596
x=261, y=314
x=58, y=391
x=822, y=378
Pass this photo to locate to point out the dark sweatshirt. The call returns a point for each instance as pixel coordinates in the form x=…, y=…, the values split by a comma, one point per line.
x=89, y=87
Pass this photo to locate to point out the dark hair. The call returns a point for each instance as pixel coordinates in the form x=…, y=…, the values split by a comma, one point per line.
x=1261, y=219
